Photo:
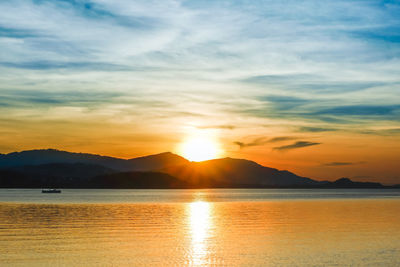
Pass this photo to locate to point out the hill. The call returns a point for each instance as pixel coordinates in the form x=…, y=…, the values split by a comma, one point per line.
x=235, y=172
x=50, y=156
x=54, y=168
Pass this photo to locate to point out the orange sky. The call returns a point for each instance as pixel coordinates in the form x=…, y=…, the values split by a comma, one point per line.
x=362, y=157
x=278, y=84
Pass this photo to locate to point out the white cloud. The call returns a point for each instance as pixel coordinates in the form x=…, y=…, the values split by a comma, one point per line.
x=173, y=47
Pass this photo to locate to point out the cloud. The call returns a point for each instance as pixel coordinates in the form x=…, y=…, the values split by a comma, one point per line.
x=382, y=132
x=224, y=127
x=316, y=129
x=290, y=62
x=284, y=102
x=311, y=83
x=23, y=98
x=280, y=139
x=392, y=131
x=339, y=164
x=298, y=144
x=361, y=110
x=256, y=142
x=325, y=111
x=48, y=65
x=386, y=35
x=263, y=140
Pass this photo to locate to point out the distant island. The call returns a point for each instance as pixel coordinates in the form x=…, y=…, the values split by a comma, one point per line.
x=62, y=169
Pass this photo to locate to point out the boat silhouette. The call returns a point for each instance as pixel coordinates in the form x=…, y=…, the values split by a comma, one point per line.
x=51, y=190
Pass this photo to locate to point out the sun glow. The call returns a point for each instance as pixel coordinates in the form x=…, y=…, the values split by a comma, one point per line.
x=199, y=148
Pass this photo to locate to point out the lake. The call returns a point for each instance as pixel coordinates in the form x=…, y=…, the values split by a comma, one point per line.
x=224, y=227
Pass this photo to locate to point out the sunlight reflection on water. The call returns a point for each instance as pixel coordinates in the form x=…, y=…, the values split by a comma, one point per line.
x=200, y=221
x=200, y=228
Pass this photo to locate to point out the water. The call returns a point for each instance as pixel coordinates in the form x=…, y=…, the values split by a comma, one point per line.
x=228, y=227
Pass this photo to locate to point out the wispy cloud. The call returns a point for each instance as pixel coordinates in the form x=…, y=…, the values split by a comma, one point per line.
x=284, y=102
x=383, y=132
x=53, y=65
x=256, y=142
x=224, y=126
x=263, y=140
x=311, y=83
x=230, y=65
x=340, y=163
x=362, y=110
x=23, y=98
x=280, y=139
x=296, y=145
x=323, y=110
x=316, y=129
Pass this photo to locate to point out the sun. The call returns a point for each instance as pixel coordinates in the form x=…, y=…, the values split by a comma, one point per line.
x=200, y=148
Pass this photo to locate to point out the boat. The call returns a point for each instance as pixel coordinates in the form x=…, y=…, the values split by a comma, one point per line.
x=51, y=190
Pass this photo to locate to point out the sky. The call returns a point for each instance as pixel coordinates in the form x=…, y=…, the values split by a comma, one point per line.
x=308, y=86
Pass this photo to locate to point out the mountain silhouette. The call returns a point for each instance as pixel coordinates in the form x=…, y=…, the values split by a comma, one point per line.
x=156, y=162
x=228, y=171
x=49, y=156
x=55, y=168
x=64, y=170
x=347, y=183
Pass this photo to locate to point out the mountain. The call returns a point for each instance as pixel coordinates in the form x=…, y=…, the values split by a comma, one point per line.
x=17, y=179
x=50, y=156
x=54, y=168
x=347, y=183
x=52, y=174
x=156, y=162
x=234, y=172
x=63, y=170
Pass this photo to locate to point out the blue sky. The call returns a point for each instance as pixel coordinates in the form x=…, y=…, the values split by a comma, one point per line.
x=241, y=67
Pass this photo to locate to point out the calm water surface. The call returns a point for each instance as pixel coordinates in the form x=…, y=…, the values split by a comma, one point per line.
x=238, y=227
